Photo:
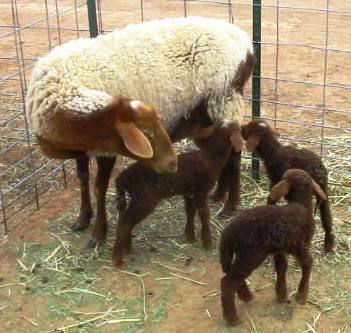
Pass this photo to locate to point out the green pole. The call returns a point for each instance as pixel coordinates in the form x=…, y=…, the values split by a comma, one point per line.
x=256, y=78
x=93, y=26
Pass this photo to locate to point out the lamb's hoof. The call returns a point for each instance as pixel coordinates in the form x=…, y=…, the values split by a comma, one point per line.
x=216, y=197
x=93, y=243
x=78, y=227
x=301, y=299
x=234, y=321
x=190, y=237
x=282, y=299
x=117, y=261
x=330, y=246
x=246, y=297
x=207, y=243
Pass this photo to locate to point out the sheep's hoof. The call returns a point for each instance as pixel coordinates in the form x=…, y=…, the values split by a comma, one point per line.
x=282, y=299
x=234, y=321
x=117, y=261
x=217, y=197
x=78, y=227
x=93, y=243
x=301, y=299
x=227, y=210
x=330, y=246
x=190, y=238
x=246, y=296
x=207, y=243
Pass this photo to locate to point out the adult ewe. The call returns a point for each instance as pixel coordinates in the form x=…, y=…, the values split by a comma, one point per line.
x=192, y=70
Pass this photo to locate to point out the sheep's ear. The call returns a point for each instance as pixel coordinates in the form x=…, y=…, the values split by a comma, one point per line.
x=279, y=190
x=237, y=141
x=134, y=139
x=318, y=191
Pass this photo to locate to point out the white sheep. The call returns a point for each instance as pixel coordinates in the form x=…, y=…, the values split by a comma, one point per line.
x=192, y=70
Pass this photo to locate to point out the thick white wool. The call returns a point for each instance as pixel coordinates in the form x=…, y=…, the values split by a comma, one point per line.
x=171, y=63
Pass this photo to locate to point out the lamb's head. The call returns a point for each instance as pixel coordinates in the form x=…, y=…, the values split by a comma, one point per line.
x=255, y=131
x=144, y=136
x=298, y=186
x=219, y=134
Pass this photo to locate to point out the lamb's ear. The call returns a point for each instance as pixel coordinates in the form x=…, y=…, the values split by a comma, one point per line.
x=279, y=190
x=237, y=141
x=318, y=191
x=134, y=139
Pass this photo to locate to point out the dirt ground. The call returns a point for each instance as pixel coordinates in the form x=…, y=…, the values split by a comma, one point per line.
x=48, y=280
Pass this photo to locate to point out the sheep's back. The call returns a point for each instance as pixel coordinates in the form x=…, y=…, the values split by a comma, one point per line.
x=172, y=63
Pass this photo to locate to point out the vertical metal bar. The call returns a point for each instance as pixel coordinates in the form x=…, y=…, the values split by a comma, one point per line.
x=93, y=26
x=276, y=65
x=48, y=23
x=100, y=16
x=2, y=196
x=230, y=12
x=142, y=10
x=22, y=79
x=76, y=17
x=256, y=78
x=324, y=106
x=185, y=8
x=58, y=22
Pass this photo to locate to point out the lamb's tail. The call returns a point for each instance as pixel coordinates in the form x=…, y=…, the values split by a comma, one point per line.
x=226, y=254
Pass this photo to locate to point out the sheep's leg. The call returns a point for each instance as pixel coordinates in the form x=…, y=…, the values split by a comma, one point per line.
x=327, y=222
x=105, y=166
x=281, y=267
x=235, y=280
x=222, y=184
x=190, y=217
x=86, y=210
x=229, y=286
x=233, y=183
x=200, y=202
x=244, y=292
x=137, y=210
x=306, y=261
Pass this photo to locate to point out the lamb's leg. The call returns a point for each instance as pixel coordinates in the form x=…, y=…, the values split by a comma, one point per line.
x=105, y=166
x=235, y=280
x=222, y=184
x=306, y=261
x=244, y=292
x=86, y=210
x=281, y=267
x=190, y=216
x=327, y=222
x=233, y=183
x=137, y=210
x=200, y=202
x=229, y=286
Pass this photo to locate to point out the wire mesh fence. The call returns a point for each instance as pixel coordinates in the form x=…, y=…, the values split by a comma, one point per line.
x=305, y=78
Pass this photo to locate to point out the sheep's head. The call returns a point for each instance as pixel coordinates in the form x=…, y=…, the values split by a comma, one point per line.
x=220, y=132
x=255, y=131
x=143, y=135
x=296, y=182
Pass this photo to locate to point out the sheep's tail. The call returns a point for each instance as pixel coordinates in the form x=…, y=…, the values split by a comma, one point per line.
x=121, y=198
x=226, y=254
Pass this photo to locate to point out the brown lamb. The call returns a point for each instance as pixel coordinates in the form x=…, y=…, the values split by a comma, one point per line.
x=197, y=172
x=261, y=139
x=270, y=230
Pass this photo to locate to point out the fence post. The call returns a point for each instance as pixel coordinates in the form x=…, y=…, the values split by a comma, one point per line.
x=256, y=78
x=93, y=26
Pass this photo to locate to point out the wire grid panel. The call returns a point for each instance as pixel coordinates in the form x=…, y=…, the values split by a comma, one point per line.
x=305, y=75
x=28, y=29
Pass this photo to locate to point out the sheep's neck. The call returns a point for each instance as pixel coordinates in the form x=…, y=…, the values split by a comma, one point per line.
x=216, y=158
x=270, y=150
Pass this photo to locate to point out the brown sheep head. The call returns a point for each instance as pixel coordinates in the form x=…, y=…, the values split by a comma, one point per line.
x=143, y=135
x=224, y=130
x=294, y=177
x=254, y=131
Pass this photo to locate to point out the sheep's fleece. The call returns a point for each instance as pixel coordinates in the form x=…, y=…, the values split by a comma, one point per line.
x=170, y=63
